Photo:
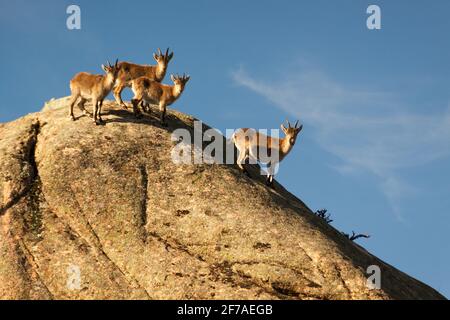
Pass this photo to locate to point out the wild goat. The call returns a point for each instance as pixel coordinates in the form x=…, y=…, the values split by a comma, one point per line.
x=265, y=149
x=130, y=71
x=147, y=90
x=92, y=87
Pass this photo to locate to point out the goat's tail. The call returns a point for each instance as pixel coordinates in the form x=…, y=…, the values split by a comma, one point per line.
x=233, y=137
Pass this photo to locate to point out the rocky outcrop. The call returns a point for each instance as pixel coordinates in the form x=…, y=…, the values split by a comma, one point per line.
x=107, y=203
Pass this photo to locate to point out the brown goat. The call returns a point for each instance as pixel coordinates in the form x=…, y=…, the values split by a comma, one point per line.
x=130, y=71
x=93, y=87
x=149, y=91
x=265, y=149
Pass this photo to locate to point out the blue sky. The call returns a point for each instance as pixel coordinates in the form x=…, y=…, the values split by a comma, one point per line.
x=375, y=105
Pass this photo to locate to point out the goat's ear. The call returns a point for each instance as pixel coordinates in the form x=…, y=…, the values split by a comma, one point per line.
x=155, y=57
x=104, y=68
x=169, y=57
x=283, y=128
x=172, y=78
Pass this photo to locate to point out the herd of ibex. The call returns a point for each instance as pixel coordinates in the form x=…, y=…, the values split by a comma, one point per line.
x=145, y=82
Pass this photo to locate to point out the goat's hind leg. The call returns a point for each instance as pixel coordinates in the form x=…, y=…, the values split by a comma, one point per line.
x=117, y=91
x=243, y=156
x=145, y=106
x=135, y=103
x=73, y=99
x=81, y=106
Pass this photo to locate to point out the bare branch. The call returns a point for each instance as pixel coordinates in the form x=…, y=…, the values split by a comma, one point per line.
x=355, y=236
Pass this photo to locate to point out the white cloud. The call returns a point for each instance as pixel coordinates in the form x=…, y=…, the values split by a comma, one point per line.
x=368, y=130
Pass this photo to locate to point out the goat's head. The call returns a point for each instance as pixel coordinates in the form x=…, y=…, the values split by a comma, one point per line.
x=291, y=132
x=180, y=80
x=111, y=69
x=163, y=59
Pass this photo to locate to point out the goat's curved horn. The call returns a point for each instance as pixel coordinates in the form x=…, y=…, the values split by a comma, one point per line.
x=117, y=61
x=159, y=52
x=295, y=126
x=109, y=64
x=167, y=52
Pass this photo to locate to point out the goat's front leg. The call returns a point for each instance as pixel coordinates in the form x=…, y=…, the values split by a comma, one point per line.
x=162, y=108
x=100, y=104
x=269, y=180
x=270, y=173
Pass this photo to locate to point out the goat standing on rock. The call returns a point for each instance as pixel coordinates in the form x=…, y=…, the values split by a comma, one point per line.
x=130, y=71
x=92, y=87
x=149, y=91
x=265, y=149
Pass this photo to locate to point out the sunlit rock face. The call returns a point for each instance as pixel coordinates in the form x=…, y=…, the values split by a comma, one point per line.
x=102, y=212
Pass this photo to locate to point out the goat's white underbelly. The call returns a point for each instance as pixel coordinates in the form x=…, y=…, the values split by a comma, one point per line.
x=263, y=154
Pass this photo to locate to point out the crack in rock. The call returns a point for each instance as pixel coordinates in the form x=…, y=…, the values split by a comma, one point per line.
x=30, y=149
